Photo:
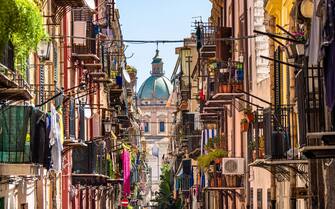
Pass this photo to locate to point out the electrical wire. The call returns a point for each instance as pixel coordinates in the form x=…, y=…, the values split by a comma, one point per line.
x=162, y=41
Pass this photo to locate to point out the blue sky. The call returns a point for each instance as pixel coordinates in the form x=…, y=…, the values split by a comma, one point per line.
x=157, y=20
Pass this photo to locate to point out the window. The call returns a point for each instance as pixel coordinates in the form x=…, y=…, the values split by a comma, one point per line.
x=161, y=126
x=146, y=127
x=259, y=199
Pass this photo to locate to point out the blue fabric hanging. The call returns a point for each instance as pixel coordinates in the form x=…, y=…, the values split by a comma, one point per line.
x=203, y=180
x=192, y=178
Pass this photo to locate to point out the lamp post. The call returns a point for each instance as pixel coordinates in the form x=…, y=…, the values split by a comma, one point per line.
x=43, y=52
x=108, y=129
x=107, y=125
x=306, y=8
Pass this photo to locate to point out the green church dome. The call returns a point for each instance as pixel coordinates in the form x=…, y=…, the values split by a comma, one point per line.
x=155, y=87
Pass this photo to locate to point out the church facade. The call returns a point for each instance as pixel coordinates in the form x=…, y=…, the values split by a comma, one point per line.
x=157, y=117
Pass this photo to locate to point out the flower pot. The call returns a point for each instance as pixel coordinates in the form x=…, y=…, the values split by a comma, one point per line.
x=244, y=127
x=250, y=117
x=225, y=88
x=218, y=161
x=237, y=87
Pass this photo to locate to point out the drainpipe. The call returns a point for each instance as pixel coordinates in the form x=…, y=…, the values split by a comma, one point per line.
x=247, y=89
x=67, y=156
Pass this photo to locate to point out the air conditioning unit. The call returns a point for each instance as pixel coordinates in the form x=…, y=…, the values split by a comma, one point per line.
x=233, y=166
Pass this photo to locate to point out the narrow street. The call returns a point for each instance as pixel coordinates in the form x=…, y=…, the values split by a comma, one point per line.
x=167, y=104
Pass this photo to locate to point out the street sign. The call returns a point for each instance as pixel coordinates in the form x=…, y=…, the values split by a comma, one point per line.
x=124, y=202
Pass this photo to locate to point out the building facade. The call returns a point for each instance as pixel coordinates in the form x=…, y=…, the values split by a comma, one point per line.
x=68, y=109
x=157, y=117
x=263, y=120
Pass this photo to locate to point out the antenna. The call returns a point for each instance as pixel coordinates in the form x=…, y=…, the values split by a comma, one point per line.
x=196, y=17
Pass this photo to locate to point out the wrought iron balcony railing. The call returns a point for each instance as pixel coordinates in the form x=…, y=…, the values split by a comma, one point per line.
x=84, y=45
x=279, y=135
x=21, y=136
x=225, y=77
x=90, y=159
x=212, y=43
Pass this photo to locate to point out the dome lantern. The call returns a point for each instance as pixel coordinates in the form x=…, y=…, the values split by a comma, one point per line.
x=157, y=65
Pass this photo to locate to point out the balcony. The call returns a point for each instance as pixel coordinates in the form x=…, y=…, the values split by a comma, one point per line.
x=226, y=174
x=271, y=147
x=7, y=67
x=12, y=85
x=278, y=133
x=225, y=80
x=218, y=181
x=84, y=44
x=90, y=165
x=212, y=45
x=316, y=141
x=21, y=139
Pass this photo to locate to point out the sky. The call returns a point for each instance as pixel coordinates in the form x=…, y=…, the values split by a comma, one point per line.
x=157, y=20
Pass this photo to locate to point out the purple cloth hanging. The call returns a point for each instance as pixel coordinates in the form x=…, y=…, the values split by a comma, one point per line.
x=330, y=75
x=329, y=50
x=126, y=172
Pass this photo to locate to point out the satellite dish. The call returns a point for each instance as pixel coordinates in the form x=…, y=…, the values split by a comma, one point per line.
x=126, y=76
x=90, y=4
x=87, y=112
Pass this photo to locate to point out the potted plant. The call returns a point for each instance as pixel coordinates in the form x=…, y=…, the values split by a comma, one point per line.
x=21, y=25
x=204, y=161
x=225, y=88
x=244, y=125
x=132, y=71
x=224, y=81
x=249, y=114
x=218, y=161
x=238, y=86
